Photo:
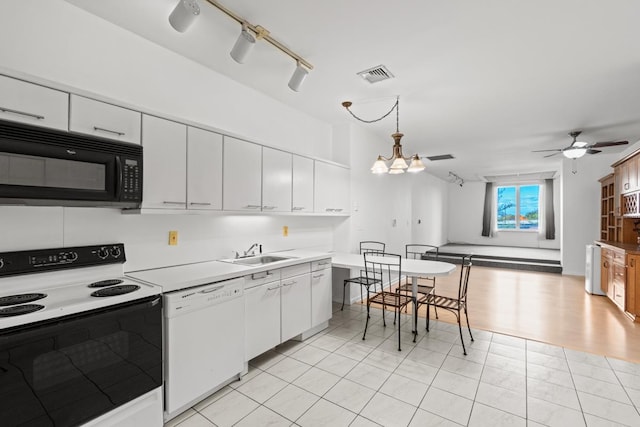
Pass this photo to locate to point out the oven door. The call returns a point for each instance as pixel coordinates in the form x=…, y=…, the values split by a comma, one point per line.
x=67, y=371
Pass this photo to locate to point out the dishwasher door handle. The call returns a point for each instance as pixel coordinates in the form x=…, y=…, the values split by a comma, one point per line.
x=215, y=288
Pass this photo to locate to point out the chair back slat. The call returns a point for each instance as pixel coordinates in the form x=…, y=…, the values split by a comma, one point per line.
x=465, y=269
x=418, y=251
x=371, y=246
x=389, y=266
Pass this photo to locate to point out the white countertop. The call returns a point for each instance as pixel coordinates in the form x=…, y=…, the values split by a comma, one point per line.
x=177, y=277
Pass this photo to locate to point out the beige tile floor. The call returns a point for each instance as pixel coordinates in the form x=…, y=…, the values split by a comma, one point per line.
x=337, y=379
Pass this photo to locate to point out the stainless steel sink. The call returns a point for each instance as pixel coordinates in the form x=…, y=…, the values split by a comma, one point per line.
x=258, y=260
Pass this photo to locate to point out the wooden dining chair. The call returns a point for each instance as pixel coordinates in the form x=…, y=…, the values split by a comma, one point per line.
x=420, y=251
x=389, y=268
x=456, y=305
x=366, y=246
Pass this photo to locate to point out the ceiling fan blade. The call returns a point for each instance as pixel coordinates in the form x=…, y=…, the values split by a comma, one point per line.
x=608, y=144
x=551, y=155
x=542, y=151
x=592, y=151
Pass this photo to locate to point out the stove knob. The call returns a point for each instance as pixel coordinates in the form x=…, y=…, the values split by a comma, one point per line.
x=103, y=253
x=72, y=256
x=116, y=252
x=1, y=262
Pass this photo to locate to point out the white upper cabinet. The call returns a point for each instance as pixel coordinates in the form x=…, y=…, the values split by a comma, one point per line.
x=302, y=192
x=33, y=104
x=276, y=180
x=331, y=186
x=165, y=163
x=242, y=175
x=104, y=120
x=204, y=169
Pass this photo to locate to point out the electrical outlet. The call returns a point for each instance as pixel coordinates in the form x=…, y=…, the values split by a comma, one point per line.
x=173, y=238
x=285, y=230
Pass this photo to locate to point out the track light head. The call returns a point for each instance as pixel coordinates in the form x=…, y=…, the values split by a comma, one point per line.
x=298, y=77
x=243, y=46
x=184, y=14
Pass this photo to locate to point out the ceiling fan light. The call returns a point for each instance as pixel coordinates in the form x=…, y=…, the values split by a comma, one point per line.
x=379, y=166
x=416, y=164
x=184, y=14
x=574, y=152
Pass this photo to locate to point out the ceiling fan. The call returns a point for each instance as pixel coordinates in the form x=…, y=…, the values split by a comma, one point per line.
x=578, y=149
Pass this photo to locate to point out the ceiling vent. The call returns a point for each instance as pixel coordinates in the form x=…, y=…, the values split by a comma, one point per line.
x=376, y=74
x=440, y=157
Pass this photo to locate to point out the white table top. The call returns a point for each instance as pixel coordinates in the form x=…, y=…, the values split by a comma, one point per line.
x=410, y=267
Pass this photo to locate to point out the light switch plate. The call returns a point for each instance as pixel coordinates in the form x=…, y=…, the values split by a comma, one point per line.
x=173, y=238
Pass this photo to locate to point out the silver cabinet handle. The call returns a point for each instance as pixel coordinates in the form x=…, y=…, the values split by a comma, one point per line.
x=329, y=209
x=297, y=208
x=172, y=203
x=22, y=113
x=318, y=276
x=289, y=283
x=324, y=263
x=269, y=207
x=338, y=210
x=252, y=207
x=200, y=204
x=257, y=276
x=115, y=132
x=274, y=288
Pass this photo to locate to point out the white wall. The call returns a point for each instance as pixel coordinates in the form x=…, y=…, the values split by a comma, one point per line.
x=581, y=208
x=465, y=210
x=57, y=42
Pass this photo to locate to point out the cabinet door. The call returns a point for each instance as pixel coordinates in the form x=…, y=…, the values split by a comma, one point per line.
x=262, y=319
x=204, y=169
x=165, y=163
x=619, y=279
x=276, y=180
x=33, y=104
x=331, y=188
x=320, y=296
x=617, y=189
x=632, y=173
x=302, y=191
x=296, y=306
x=242, y=175
x=624, y=178
x=104, y=120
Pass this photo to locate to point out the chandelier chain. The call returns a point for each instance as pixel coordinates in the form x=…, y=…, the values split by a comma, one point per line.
x=395, y=107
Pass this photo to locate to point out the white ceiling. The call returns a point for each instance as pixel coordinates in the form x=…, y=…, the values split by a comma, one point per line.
x=487, y=81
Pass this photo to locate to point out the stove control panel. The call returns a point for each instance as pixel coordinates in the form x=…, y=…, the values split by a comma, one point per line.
x=38, y=260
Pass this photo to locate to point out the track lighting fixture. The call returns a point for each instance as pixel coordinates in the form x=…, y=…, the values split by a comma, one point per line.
x=186, y=10
x=398, y=161
x=184, y=14
x=299, y=74
x=243, y=46
x=455, y=179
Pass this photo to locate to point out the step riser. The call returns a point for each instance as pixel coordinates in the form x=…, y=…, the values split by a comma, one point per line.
x=543, y=266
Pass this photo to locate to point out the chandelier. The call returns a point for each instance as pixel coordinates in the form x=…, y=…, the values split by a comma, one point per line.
x=398, y=161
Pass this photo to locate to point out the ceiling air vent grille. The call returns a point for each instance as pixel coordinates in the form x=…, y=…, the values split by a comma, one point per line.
x=440, y=157
x=376, y=74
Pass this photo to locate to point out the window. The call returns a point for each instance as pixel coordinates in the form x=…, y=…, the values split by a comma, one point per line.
x=517, y=207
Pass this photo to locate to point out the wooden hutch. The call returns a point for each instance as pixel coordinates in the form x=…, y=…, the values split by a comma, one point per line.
x=620, y=234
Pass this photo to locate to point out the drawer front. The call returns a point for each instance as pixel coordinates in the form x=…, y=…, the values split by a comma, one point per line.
x=618, y=257
x=295, y=270
x=33, y=104
x=618, y=295
x=257, y=279
x=104, y=120
x=619, y=274
x=321, y=264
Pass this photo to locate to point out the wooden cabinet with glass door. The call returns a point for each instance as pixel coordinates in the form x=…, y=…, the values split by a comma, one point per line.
x=607, y=209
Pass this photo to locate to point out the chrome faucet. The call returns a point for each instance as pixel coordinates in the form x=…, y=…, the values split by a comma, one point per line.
x=252, y=250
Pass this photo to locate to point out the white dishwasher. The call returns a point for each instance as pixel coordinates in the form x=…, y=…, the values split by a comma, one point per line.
x=204, y=341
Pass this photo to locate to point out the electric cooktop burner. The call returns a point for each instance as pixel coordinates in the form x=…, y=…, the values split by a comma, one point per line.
x=20, y=299
x=105, y=283
x=20, y=309
x=115, y=290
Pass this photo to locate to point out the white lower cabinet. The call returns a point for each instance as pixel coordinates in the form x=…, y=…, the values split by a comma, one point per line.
x=295, y=301
x=262, y=317
x=321, y=291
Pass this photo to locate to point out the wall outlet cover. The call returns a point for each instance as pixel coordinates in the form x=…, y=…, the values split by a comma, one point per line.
x=173, y=238
x=285, y=230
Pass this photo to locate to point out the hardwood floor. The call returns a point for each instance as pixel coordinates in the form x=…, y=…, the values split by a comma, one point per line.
x=545, y=307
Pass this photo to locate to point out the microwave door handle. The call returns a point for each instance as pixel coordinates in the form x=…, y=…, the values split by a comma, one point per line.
x=119, y=173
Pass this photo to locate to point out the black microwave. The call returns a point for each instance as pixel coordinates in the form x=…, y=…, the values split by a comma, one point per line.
x=48, y=167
